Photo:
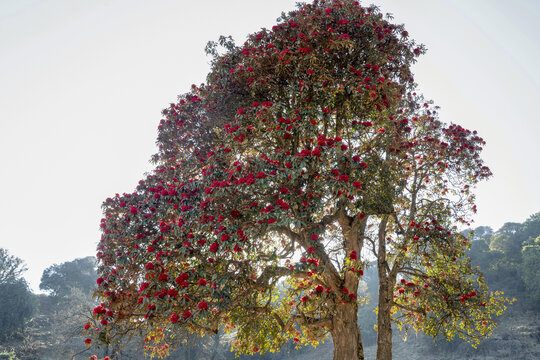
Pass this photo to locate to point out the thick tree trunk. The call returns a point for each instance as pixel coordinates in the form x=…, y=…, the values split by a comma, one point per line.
x=346, y=333
x=384, y=322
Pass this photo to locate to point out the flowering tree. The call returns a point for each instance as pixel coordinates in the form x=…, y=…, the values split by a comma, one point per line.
x=425, y=279
x=304, y=144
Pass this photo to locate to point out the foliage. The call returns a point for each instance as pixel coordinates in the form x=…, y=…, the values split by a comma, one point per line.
x=17, y=305
x=509, y=259
x=307, y=143
x=11, y=267
x=530, y=269
x=61, y=279
x=4, y=355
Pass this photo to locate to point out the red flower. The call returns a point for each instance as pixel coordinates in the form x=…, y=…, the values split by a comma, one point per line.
x=319, y=288
x=144, y=285
x=203, y=305
x=88, y=341
x=214, y=247
x=314, y=237
x=149, y=266
x=202, y=282
x=174, y=318
x=87, y=326
x=186, y=315
x=133, y=210
x=99, y=280
x=353, y=255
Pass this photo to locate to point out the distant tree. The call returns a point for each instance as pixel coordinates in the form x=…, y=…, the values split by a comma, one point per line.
x=61, y=279
x=509, y=228
x=306, y=148
x=11, y=267
x=530, y=229
x=17, y=305
x=530, y=270
x=509, y=244
x=482, y=232
x=17, y=302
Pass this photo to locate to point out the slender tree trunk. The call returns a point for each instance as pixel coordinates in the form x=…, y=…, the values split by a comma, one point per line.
x=386, y=286
x=346, y=333
x=384, y=321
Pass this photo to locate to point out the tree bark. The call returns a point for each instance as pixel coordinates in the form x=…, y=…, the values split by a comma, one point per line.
x=386, y=286
x=384, y=322
x=346, y=333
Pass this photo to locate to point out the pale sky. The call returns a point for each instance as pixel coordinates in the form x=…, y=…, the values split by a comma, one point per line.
x=82, y=85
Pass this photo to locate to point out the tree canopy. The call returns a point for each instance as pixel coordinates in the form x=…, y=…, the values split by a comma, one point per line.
x=17, y=303
x=61, y=279
x=11, y=267
x=307, y=153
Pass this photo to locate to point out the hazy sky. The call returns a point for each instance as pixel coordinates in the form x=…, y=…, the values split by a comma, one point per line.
x=82, y=85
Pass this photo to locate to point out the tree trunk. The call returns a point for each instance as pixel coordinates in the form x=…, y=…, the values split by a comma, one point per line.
x=346, y=333
x=384, y=322
x=386, y=287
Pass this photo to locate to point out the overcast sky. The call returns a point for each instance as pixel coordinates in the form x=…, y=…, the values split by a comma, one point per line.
x=82, y=85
